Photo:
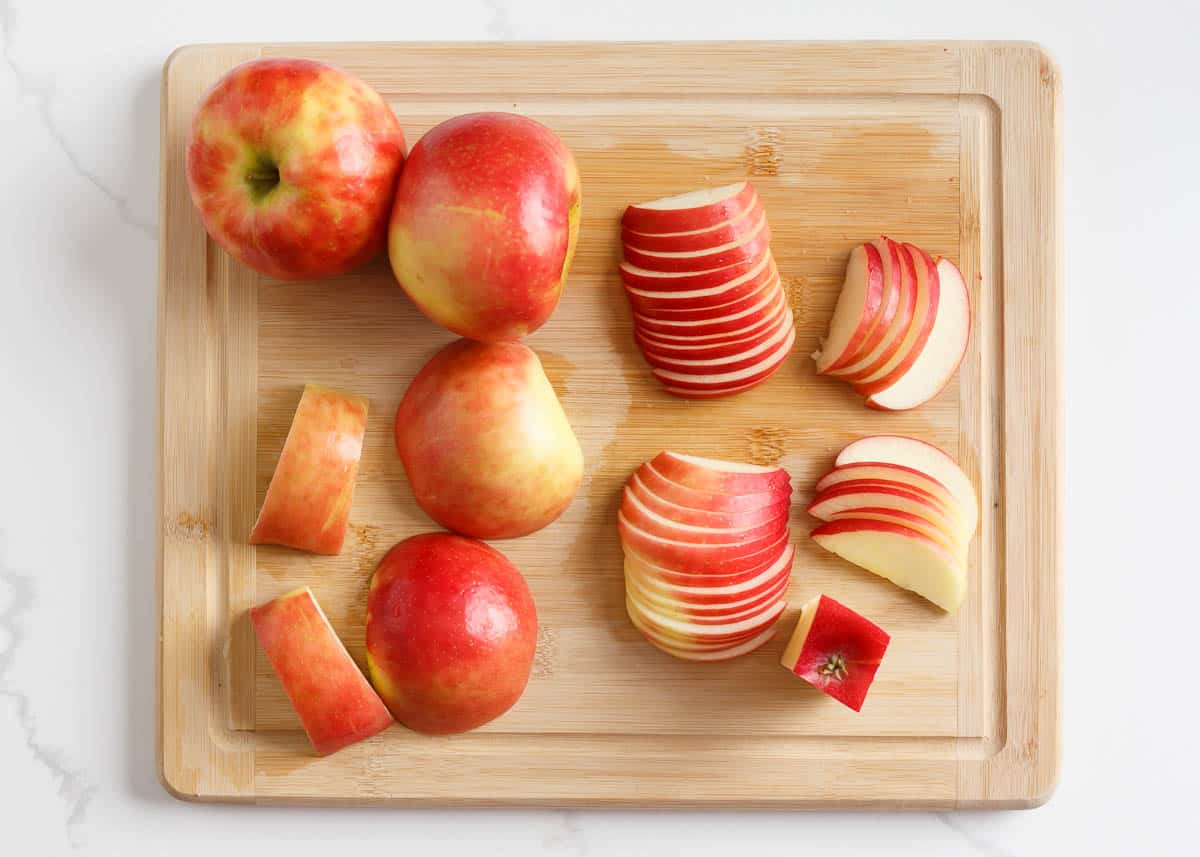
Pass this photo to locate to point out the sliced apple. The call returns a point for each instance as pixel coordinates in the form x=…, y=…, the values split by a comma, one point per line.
x=308, y=500
x=887, y=342
x=719, y=652
x=727, y=477
x=703, y=517
x=901, y=554
x=694, y=239
x=889, y=495
x=710, y=501
x=836, y=650
x=690, y=629
x=668, y=602
x=943, y=351
x=637, y=513
x=764, y=287
x=698, y=209
x=748, y=355
x=721, y=322
x=739, y=249
x=705, y=589
x=858, y=308
x=699, y=350
x=882, y=471
x=702, y=381
x=706, y=614
x=922, y=456
x=685, y=555
x=742, y=280
x=336, y=705
x=921, y=523
x=770, y=310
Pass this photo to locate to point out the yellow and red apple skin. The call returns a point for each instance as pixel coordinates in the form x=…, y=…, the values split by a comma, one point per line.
x=336, y=705
x=484, y=224
x=451, y=633
x=485, y=443
x=337, y=149
x=308, y=501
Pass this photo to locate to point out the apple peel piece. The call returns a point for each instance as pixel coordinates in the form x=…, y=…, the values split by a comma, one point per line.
x=836, y=650
x=307, y=505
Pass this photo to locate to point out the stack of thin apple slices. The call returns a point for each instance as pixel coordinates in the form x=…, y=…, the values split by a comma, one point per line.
x=707, y=557
x=709, y=313
x=902, y=509
x=900, y=327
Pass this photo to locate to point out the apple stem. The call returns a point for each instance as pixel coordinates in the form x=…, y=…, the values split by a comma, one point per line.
x=835, y=667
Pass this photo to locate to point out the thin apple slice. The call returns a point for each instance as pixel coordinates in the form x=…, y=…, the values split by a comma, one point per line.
x=943, y=351
x=887, y=342
x=634, y=277
x=714, y=321
x=667, y=602
x=710, y=501
x=715, y=350
x=922, y=456
x=857, y=310
x=730, y=632
x=718, y=476
x=699, y=209
x=703, y=590
x=336, y=705
x=742, y=281
x=769, y=315
x=719, y=652
x=836, y=650
x=882, y=471
x=635, y=512
x=921, y=523
x=688, y=556
x=694, y=239
x=308, y=499
x=890, y=495
x=904, y=556
x=928, y=309
x=893, y=284
x=742, y=248
x=738, y=573
x=709, y=615
x=703, y=517
x=702, y=381
x=749, y=355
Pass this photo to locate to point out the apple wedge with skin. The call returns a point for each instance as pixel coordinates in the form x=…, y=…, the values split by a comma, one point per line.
x=892, y=277
x=885, y=342
x=901, y=554
x=836, y=650
x=918, y=455
x=943, y=350
x=336, y=705
x=858, y=308
x=694, y=239
x=699, y=209
x=747, y=246
x=307, y=505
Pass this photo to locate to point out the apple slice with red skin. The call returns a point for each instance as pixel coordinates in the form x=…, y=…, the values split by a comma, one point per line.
x=729, y=320
x=710, y=501
x=704, y=653
x=928, y=300
x=858, y=308
x=713, y=350
x=748, y=355
x=724, y=381
x=765, y=314
x=890, y=303
x=337, y=706
x=836, y=650
x=886, y=495
x=921, y=523
x=684, y=563
x=932, y=494
x=943, y=351
x=666, y=601
x=702, y=517
x=743, y=573
x=635, y=277
x=699, y=209
x=635, y=512
x=887, y=342
x=718, y=476
x=739, y=284
x=922, y=456
x=695, y=239
x=717, y=392
x=883, y=471
x=721, y=632
x=704, y=591
x=900, y=554
x=744, y=247
x=308, y=500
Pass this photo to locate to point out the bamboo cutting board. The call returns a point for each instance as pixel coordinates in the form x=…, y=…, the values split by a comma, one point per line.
x=954, y=147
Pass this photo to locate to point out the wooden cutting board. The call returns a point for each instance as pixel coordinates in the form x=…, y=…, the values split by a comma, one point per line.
x=954, y=147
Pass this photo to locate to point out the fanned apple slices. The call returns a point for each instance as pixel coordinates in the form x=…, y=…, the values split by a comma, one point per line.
x=709, y=312
x=903, y=509
x=707, y=558
x=900, y=327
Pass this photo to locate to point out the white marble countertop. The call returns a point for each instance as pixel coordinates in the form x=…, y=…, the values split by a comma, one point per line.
x=79, y=89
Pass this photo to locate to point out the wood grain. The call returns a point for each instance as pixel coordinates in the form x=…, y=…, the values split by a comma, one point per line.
x=951, y=146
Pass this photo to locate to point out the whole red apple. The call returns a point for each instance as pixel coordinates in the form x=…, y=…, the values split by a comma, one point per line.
x=292, y=165
x=484, y=224
x=485, y=443
x=451, y=632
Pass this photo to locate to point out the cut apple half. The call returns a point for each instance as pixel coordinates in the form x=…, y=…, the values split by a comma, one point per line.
x=943, y=350
x=702, y=381
x=694, y=239
x=749, y=355
x=887, y=342
x=698, y=209
x=858, y=308
x=901, y=554
x=927, y=311
x=918, y=455
x=740, y=249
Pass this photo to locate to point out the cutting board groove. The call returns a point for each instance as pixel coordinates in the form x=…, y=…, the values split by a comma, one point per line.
x=953, y=146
